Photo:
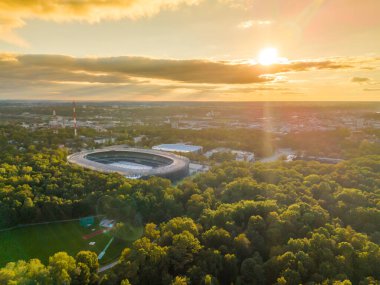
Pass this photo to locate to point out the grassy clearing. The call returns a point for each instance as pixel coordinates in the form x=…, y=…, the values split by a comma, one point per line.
x=42, y=241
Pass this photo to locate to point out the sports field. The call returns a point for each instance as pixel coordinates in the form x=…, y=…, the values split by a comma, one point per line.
x=42, y=241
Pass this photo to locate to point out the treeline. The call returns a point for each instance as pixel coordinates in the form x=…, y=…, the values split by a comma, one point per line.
x=340, y=143
x=41, y=186
x=61, y=269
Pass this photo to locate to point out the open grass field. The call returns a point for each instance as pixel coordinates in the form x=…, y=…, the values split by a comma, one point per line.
x=42, y=241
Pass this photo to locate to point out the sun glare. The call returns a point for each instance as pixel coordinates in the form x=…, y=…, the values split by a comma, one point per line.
x=268, y=56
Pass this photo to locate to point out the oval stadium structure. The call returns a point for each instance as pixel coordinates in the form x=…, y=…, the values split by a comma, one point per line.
x=133, y=162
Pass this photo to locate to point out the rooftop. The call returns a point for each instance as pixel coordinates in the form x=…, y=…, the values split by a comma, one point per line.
x=178, y=147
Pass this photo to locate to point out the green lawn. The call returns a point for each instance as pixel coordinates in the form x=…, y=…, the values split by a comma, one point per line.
x=42, y=241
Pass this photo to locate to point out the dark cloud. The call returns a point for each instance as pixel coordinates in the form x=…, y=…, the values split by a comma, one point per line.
x=371, y=89
x=360, y=79
x=121, y=69
x=14, y=13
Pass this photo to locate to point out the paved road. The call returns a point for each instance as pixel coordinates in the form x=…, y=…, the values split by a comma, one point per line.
x=108, y=266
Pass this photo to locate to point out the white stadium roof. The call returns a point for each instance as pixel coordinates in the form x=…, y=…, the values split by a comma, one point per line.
x=178, y=147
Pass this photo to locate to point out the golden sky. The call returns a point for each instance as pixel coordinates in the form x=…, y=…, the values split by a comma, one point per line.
x=223, y=50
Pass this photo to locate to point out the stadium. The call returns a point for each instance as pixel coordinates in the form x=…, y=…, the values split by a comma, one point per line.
x=133, y=162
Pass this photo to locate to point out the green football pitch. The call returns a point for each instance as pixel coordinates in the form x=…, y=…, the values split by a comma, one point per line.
x=42, y=241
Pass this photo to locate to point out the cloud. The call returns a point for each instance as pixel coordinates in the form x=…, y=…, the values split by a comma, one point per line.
x=312, y=65
x=251, y=23
x=14, y=13
x=126, y=68
x=371, y=89
x=360, y=79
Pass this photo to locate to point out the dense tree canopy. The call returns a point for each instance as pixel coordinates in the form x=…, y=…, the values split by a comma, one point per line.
x=240, y=223
x=284, y=223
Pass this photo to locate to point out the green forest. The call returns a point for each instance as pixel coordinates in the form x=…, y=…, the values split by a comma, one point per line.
x=240, y=223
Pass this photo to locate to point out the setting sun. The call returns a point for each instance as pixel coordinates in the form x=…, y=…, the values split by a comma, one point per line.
x=268, y=56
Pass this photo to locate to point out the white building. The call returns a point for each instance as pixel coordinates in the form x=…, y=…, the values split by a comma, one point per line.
x=178, y=147
x=139, y=138
x=240, y=155
x=106, y=223
x=104, y=140
x=244, y=155
x=197, y=168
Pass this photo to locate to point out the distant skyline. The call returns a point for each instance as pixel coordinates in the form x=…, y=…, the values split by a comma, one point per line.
x=191, y=50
